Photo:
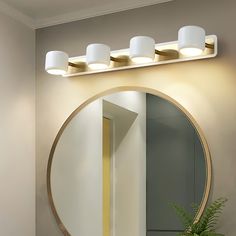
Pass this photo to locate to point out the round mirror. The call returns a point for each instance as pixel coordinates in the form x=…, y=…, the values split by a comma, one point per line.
x=118, y=164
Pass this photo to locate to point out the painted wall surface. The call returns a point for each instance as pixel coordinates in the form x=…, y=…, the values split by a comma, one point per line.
x=17, y=128
x=205, y=88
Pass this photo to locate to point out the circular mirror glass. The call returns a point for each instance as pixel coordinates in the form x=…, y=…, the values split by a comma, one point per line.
x=119, y=164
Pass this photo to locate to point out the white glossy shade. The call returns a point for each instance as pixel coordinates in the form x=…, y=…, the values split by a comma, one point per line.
x=56, y=62
x=191, y=40
x=98, y=56
x=142, y=49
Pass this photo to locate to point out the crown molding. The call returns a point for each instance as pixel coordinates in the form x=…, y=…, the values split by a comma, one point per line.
x=93, y=12
x=17, y=15
x=74, y=16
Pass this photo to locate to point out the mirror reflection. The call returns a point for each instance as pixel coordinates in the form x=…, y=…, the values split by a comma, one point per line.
x=121, y=162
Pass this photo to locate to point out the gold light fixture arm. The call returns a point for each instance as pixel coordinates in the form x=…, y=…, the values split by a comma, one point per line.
x=117, y=59
x=74, y=65
x=167, y=54
x=161, y=53
x=210, y=46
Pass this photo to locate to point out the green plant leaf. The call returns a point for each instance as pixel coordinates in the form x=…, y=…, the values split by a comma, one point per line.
x=210, y=216
x=206, y=225
x=208, y=233
x=186, y=218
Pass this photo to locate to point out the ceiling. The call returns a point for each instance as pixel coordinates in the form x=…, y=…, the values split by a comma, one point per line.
x=42, y=13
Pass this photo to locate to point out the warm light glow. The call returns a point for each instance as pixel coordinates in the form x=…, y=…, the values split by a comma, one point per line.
x=98, y=56
x=140, y=60
x=56, y=72
x=97, y=66
x=192, y=44
x=191, y=52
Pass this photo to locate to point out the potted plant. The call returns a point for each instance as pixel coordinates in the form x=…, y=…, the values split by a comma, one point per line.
x=206, y=225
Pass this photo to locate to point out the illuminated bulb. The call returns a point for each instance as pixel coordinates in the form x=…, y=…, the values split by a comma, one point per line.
x=56, y=72
x=191, y=40
x=191, y=52
x=56, y=62
x=142, y=49
x=98, y=56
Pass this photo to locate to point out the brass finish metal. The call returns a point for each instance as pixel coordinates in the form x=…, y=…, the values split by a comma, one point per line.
x=119, y=59
x=141, y=89
x=162, y=53
x=210, y=46
x=169, y=54
x=74, y=65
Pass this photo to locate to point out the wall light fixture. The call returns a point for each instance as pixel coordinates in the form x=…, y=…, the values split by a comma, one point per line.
x=142, y=49
x=192, y=44
x=98, y=56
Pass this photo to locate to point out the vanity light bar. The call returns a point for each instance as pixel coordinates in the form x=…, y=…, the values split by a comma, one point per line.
x=192, y=44
x=126, y=63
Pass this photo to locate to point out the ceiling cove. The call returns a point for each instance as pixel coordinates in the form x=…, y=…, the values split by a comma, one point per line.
x=27, y=11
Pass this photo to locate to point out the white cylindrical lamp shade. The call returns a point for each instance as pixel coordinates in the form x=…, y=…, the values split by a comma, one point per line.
x=56, y=62
x=142, y=49
x=191, y=40
x=98, y=56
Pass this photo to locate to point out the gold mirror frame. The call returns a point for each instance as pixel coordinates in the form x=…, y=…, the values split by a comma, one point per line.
x=140, y=89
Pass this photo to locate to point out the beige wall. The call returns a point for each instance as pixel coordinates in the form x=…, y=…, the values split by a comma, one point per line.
x=17, y=128
x=205, y=88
